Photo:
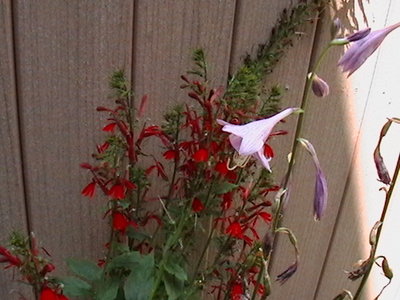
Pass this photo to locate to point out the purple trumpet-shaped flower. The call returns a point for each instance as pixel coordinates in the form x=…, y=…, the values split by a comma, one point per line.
x=321, y=184
x=249, y=139
x=363, y=48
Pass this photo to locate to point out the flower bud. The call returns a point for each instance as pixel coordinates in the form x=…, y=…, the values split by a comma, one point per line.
x=319, y=87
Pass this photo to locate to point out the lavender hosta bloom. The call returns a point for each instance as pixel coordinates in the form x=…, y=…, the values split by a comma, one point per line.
x=321, y=184
x=249, y=139
x=319, y=86
x=363, y=48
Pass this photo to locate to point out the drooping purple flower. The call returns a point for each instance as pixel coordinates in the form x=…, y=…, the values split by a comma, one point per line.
x=321, y=184
x=249, y=139
x=319, y=86
x=363, y=47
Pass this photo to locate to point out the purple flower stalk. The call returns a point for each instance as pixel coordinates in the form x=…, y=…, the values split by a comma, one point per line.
x=249, y=139
x=365, y=44
x=321, y=184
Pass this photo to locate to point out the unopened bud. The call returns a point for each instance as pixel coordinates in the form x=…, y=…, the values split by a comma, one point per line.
x=319, y=86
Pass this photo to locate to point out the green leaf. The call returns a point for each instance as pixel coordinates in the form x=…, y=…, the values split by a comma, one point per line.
x=172, y=267
x=173, y=286
x=126, y=260
x=108, y=289
x=85, y=269
x=223, y=187
x=75, y=287
x=139, y=284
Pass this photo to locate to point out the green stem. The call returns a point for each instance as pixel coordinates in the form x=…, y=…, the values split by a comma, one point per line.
x=378, y=233
x=303, y=106
x=168, y=245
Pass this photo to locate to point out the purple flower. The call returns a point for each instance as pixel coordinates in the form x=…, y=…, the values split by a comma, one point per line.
x=363, y=47
x=321, y=184
x=249, y=139
x=319, y=86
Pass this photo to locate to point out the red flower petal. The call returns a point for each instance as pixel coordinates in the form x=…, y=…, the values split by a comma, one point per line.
x=268, y=151
x=109, y=127
x=227, y=201
x=89, y=190
x=266, y=216
x=130, y=185
x=222, y=168
x=120, y=221
x=235, y=230
x=170, y=154
x=197, y=205
x=200, y=155
x=86, y=166
x=117, y=191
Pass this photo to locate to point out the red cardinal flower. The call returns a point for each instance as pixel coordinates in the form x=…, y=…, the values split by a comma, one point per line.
x=197, y=205
x=7, y=257
x=110, y=127
x=235, y=230
x=170, y=154
x=237, y=291
x=121, y=222
x=200, y=155
x=117, y=191
x=222, y=168
x=89, y=190
x=49, y=294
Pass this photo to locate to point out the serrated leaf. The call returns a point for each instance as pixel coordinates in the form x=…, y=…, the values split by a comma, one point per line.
x=223, y=187
x=75, y=287
x=85, y=269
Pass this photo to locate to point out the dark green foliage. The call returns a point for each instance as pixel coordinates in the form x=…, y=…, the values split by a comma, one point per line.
x=246, y=84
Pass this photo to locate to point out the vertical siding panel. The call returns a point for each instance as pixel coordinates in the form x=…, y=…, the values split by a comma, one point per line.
x=12, y=202
x=166, y=33
x=66, y=53
x=371, y=98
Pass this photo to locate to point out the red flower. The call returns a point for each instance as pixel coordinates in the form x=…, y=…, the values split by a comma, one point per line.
x=109, y=127
x=235, y=230
x=265, y=216
x=227, y=201
x=103, y=147
x=197, y=205
x=89, y=190
x=121, y=222
x=47, y=269
x=49, y=294
x=222, y=168
x=7, y=257
x=200, y=155
x=237, y=291
x=117, y=191
x=170, y=154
